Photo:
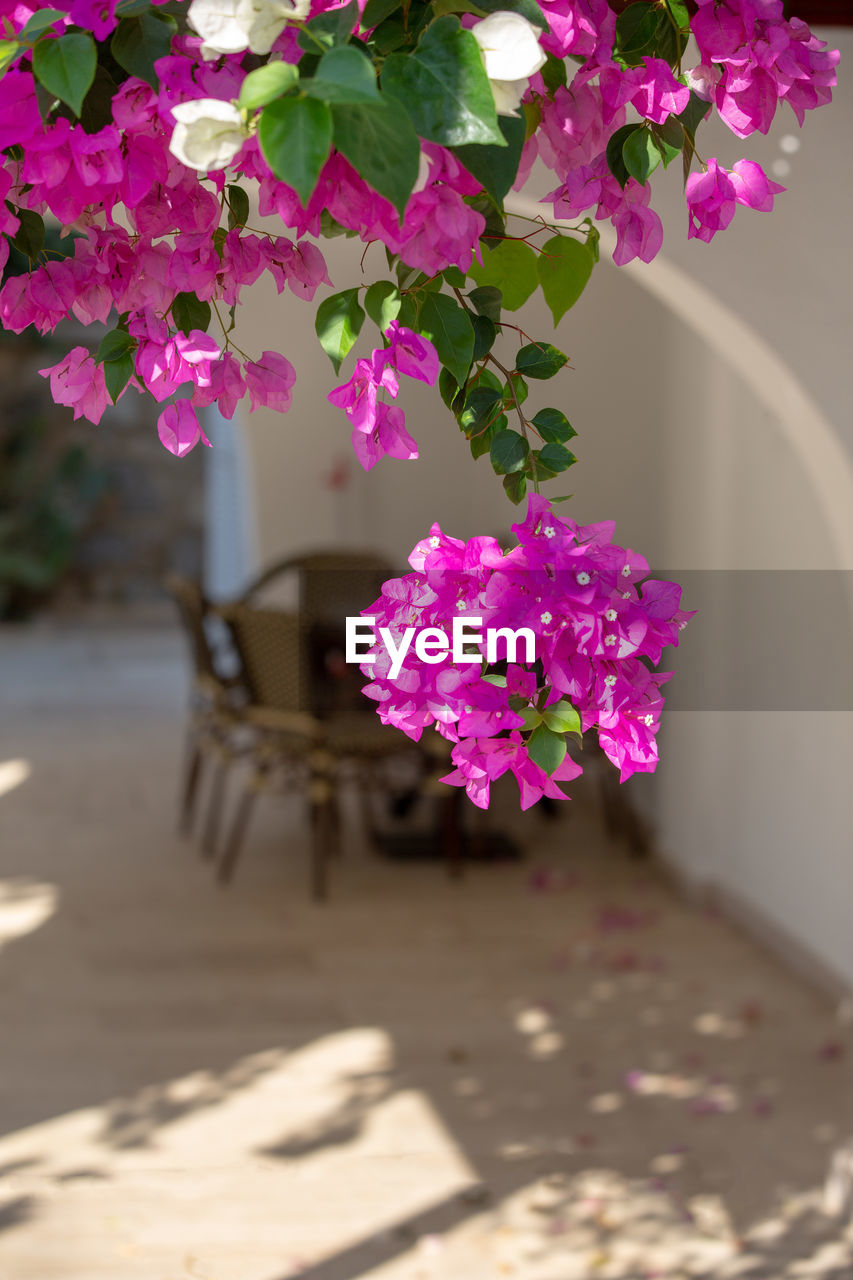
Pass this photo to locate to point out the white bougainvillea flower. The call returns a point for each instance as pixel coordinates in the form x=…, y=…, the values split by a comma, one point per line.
x=511, y=54
x=208, y=133
x=230, y=26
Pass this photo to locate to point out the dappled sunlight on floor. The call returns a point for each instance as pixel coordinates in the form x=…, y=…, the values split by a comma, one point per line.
x=553, y=1070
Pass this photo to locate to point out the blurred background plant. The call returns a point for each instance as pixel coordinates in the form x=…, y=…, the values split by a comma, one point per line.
x=50, y=493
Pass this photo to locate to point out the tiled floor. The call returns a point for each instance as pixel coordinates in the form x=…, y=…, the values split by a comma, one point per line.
x=554, y=1071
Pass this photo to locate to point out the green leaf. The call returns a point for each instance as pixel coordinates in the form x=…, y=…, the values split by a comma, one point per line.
x=338, y=323
x=564, y=267
x=409, y=309
x=9, y=50
x=39, y=23
x=636, y=33
x=117, y=374
x=554, y=73
x=546, y=748
x=495, y=228
x=497, y=680
x=189, y=312
x=515, y=486
x=132, y=8
x=29, y=238
x=694, y=113
x=516, y=386
x=510, y=267
x=267, y=83
x=561, y=717
x=641, y=155
x=66, y=67
x=454, y=277
x=528, y=9
x=376, y=11
x=381, y=144
x=382, y=303
x=444, y=87
x=669, y=138
x=480, y=406
x=448, y=389
x=486, y=301
x=615, y=159
x=508, y=452
x=388, y=36
x=296, y=137
x=680, y=13
x=553, y=426
x=343, y=75
x=496, y=168
x=556, y=457
x=328, y=29
x=485, y=334
x=540, y=360
x=238, y=206
x=482, y=442
x=139, y=42
x=449, y=328
x=114, y=346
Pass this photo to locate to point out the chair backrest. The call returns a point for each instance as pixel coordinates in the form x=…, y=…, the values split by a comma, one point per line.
x=269, y=645
x=192, y=609
x=330, y=586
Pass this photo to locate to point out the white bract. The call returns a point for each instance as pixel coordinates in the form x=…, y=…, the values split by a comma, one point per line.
x=230, y=26
x=208, y=133
x=511, y=54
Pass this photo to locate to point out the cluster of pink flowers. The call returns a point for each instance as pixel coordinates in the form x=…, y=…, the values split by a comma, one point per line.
x=599, y=622
x=378, y=427
x=752, y=58
x=149, y=229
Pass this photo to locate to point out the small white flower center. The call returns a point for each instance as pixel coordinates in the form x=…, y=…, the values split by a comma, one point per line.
x=626, y=571
x=550, y=532
x=611, y=615
x=649, y=720
x=546, y=617
x=610, y=681
x=609, y=641
x=435, y=542
x=582, y=578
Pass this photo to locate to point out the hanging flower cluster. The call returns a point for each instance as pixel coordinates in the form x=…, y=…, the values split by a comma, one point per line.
x=143, y=127
x=155, y=132
x=600, y=624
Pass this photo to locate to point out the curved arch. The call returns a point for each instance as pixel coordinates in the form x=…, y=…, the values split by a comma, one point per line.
x=810, y=434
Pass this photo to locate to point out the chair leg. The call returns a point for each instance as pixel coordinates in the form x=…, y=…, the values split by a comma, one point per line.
x=231, y=852
x=322, y=834
x=214, y=811
x=189, y=790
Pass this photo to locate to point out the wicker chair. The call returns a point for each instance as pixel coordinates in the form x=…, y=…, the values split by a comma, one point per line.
x=216, y=729
x=325, y=588
x=294, y=749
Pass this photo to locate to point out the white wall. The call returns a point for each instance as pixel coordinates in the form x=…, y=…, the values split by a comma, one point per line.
x=707, y=473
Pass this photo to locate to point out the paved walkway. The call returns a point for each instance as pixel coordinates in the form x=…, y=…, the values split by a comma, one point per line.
x=553, y=1071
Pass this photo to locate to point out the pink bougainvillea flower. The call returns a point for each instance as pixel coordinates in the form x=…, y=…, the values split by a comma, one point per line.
x=269, y=381
x=411, y=354
x=711, y=200
x=179, y=428
x=359, y=398
x=752, y=186
x=78, y=382
x=388, y=436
